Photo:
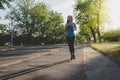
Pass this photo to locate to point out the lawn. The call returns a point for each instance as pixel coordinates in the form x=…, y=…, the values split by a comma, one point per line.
x=110, y=49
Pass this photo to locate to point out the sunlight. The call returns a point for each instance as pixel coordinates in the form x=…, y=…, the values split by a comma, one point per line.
x=113, y=6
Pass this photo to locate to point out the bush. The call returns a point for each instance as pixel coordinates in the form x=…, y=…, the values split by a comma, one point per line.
x=4, y=38
x=111, y=35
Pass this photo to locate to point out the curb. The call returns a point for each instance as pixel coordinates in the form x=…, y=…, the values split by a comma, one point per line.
x=10, y=49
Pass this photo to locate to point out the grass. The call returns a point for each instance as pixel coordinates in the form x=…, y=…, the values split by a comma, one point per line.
x=110, y=49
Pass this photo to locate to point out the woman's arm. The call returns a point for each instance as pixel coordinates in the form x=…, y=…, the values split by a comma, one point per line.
x=66, y=27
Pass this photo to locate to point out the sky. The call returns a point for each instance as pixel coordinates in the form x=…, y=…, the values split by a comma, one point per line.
x=114, y=13
x=65, y=7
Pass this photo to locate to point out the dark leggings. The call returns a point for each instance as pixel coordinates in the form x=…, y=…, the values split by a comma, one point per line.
x=70, y=41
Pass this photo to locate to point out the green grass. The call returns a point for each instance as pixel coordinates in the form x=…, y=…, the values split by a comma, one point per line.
x=110, y=49
x=3, y=47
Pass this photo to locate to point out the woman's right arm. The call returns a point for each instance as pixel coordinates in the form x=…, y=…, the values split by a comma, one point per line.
x=66, y=27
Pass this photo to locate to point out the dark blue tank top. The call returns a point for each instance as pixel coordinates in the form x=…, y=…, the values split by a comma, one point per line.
x=70, y=30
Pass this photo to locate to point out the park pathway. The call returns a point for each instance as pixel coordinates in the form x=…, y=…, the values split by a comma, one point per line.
x=99, y=67
x=56, y=65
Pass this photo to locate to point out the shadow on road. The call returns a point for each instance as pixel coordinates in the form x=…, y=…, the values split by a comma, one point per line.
x=97, y=67
x=26, y=51
x=78, y=74
x=23, y=72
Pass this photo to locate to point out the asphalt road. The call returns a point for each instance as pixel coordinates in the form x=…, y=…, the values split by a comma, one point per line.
x=53, y=63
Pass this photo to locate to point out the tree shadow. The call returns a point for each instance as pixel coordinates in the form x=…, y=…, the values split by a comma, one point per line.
x=78, y=74
x=20, y=52
x=96, y=68
x=26, y=71
x=101, y=67
x=26, y=51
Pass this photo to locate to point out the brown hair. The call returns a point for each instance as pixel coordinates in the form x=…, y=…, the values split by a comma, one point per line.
x=69, y=17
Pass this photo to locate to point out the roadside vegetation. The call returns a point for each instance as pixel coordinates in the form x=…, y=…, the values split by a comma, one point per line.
x=110, y=49
x=31, y=23
x=111, y=45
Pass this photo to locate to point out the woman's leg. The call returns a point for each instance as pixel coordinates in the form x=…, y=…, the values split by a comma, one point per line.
x=72, y=43
x=68, y=40
x=72, y=46
x=69, y=44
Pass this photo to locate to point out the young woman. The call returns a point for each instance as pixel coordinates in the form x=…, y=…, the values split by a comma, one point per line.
x=70, y=35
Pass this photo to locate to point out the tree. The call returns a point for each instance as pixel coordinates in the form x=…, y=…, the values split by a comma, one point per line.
x=20, y=15
x=40, y=17
x=35, y=21
x=4, y=36
x=56, y=24
x=3, y=28
x=85, y=19
x=93, y=14
x=4, y=2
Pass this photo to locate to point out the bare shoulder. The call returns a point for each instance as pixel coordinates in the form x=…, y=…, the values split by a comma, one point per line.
x=66, y=24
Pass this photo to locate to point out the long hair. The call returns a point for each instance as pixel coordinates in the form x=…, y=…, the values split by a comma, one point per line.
x=69, y=17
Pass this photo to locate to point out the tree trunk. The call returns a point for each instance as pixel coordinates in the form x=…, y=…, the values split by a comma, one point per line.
x=98, y=30
x=93, y=34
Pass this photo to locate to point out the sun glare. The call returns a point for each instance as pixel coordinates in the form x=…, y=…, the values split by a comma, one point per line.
x=113, y=6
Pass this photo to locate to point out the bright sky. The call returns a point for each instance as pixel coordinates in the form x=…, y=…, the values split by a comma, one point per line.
x=65, y=7
x=114, y=6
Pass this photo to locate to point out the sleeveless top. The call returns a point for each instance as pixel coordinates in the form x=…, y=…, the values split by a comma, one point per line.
x=70, y=30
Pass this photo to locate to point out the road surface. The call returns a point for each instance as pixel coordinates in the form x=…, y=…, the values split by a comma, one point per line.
x=53, y=63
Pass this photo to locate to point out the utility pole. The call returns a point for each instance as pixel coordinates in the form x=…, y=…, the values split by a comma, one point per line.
x=11, y=30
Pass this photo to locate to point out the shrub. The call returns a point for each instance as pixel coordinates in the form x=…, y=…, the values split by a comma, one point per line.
x=111, y=35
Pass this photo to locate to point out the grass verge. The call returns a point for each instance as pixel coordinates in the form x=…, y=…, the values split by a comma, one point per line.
x=110, y=49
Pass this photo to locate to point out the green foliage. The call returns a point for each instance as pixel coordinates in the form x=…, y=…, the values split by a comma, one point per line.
x=4, y=38
x=3, y=28
x=80, y=38
x=4, y=34
x=110, y=49
x=111, y=35
x=35, y=22
x=7, y=2
x=91, y=16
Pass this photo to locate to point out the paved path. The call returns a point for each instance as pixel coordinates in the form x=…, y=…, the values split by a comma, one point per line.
x=99, y=67
x=88, y=65
x=14, y=56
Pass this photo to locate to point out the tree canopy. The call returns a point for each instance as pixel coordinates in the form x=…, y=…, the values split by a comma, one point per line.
x=91, y=16
x=35, y=21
